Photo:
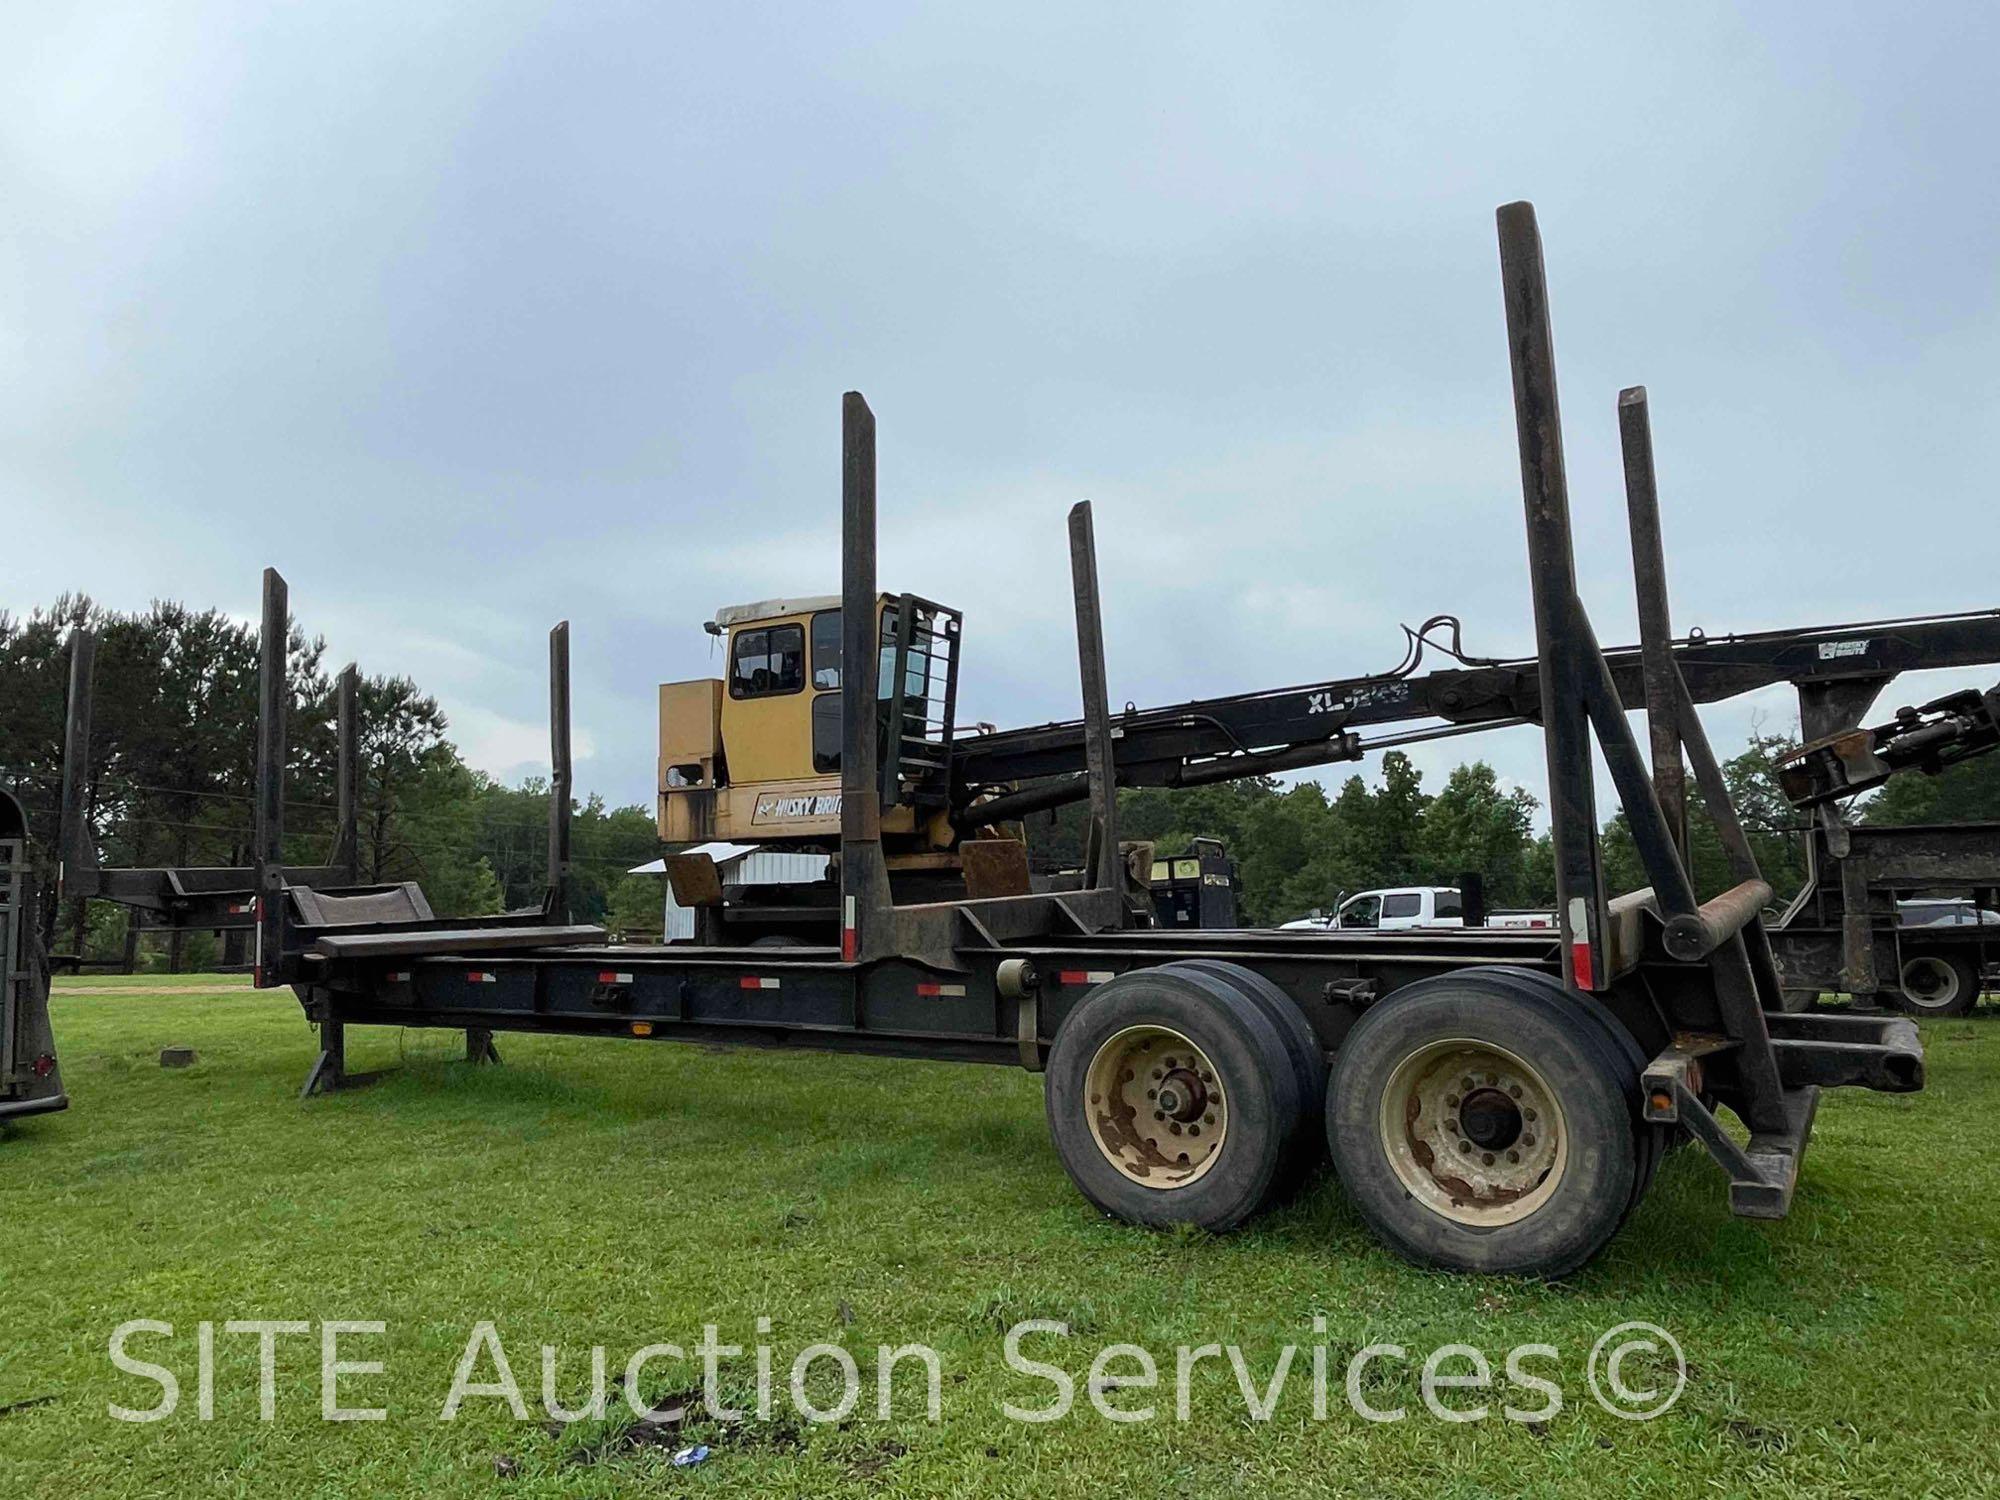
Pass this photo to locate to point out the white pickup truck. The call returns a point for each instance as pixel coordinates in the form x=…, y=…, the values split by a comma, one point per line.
x=1406, y=906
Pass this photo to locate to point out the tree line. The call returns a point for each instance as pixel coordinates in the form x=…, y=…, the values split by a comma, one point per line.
x=172, y=776
x=1300, y=848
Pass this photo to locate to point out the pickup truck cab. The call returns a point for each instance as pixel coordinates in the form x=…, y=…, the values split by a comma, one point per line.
x=1405, y=906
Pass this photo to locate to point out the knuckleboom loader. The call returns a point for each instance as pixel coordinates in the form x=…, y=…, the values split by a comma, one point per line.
x=755, y=754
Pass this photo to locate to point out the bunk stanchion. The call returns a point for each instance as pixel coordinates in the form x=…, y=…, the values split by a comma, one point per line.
x=865, y=901
x=1656, y=636
x=347, y=841
x=1673, y=722
x=76, y=851
x=1552, y=573
x=556, y=898
x=1103, y=864
x=269, y=838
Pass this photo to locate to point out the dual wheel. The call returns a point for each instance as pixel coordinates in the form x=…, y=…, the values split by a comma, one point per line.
x=1483, y=1120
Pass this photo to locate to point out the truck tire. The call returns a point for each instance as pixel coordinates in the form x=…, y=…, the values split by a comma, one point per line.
x=1479, y=1124
x=1171, y=1100
x=1937, y=982
x=1307, y=1147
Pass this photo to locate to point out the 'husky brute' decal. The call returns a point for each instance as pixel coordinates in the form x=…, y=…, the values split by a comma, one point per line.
x=775, y=807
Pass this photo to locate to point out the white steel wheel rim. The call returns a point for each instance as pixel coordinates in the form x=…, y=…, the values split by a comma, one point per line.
x=1929, y=983
x=1473, y=1132
x=1156, y=1107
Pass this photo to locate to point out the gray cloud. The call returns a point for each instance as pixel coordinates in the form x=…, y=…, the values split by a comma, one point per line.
x=474, y=318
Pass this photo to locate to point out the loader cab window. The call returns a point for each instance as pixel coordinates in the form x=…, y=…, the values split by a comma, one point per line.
x=826, y=650
x=826, y=733
x=765, y=663
x=826, y=646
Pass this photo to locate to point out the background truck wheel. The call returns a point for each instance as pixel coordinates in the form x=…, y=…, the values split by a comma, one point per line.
x=1937, y=984
x=1171, y=1099
x=1478, y=1123
x=1307, y=1147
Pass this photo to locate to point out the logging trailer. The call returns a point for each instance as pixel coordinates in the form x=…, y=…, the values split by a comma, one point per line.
x=1492, y=1100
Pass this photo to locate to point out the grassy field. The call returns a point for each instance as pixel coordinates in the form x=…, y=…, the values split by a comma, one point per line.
x=620, y=1194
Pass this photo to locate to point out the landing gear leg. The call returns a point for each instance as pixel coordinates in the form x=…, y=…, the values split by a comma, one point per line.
x=329, y=1071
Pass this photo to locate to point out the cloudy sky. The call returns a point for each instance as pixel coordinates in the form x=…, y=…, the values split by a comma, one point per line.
x=469, y=318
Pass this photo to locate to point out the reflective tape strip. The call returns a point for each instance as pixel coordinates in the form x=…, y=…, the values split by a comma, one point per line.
x=609, y=978
x=751, y=982
x=400, y=976
x=1582, y=970
x=928, y=990
x=1580, y=966
x=1084, y=976
x=850, y=939
x=481, y=976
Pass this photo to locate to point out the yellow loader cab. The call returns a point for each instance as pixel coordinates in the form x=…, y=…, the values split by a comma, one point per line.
x=755, y=755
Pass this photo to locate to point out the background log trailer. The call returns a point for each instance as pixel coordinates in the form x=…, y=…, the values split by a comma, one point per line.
x=30, y=1079
x=1492, y=1100
x=1854, y=925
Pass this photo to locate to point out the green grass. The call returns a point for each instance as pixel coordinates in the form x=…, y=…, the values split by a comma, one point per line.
x=94, y=981
x=609, y=1193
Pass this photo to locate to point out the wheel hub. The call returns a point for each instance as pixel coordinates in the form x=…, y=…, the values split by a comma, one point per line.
x=1473, y=1132
x=1490, y=1119
x=1182, y=1095
x=1158, y=1110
